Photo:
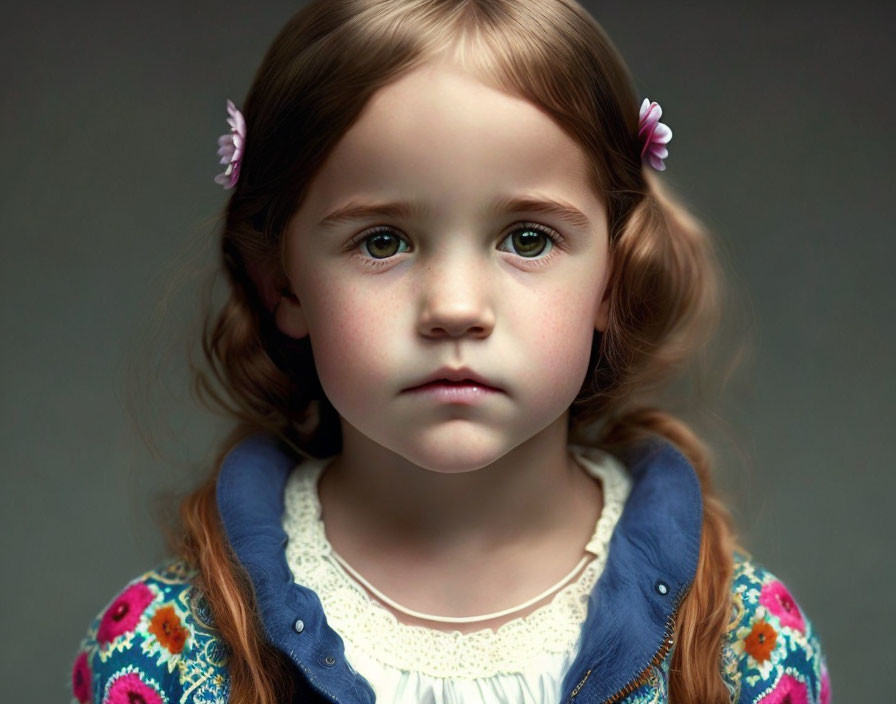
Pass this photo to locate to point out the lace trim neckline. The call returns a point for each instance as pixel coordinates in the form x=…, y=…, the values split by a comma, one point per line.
x=366, y=624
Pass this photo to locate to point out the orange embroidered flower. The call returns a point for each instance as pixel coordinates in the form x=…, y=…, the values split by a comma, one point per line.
x=167, y=628
x=761, y=641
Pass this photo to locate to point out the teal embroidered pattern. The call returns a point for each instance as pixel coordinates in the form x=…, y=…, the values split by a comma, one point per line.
x=155, y=643
x=771, y=654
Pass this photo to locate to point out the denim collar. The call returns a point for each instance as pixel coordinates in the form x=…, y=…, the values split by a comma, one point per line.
x=651, y=564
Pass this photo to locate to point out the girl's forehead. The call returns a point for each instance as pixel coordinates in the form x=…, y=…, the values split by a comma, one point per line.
x=441, y=96
x=438, y=134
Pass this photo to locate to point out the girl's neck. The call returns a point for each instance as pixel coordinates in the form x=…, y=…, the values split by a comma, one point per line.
x=533, y=493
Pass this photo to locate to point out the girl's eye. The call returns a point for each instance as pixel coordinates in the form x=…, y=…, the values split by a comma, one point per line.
x=380, y=244
x=529, y=240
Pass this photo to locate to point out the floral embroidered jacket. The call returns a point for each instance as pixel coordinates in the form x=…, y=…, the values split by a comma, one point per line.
x=156, y=641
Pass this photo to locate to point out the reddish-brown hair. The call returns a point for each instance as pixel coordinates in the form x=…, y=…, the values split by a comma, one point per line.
x=664, y=288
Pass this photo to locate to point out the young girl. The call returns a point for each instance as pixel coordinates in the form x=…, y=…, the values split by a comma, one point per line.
x=454, y=280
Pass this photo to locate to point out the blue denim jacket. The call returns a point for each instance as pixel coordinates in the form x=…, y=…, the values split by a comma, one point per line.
x=157, y=638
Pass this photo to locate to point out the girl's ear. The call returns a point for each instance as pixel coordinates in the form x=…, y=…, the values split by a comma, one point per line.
x=276, y=295
x=602, y=319
x=289, y=316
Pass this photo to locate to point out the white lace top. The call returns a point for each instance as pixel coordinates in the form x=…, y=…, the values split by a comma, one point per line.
x=524, y=660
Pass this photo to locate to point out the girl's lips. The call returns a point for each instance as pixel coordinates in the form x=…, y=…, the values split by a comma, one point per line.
x=455, y=375
x=444, y=382
x=467, y=392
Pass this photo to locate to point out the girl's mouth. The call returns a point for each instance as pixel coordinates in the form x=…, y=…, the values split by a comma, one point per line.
x=465, y=392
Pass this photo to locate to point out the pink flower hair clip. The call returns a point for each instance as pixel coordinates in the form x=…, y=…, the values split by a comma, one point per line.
x=654, y=134
x=231, y=146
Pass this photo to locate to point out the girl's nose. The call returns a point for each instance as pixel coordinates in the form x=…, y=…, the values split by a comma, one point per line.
x=456, y=301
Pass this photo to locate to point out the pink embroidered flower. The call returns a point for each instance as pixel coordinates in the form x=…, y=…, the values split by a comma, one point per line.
x=824, y=696
x=231, y=146
x=778, y=600
x=81, y=678
x=654, y=134
x=130, y=689
x=124, y=613
x=789, y=690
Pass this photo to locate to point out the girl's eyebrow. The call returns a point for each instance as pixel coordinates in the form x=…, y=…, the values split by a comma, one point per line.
x=403, y=209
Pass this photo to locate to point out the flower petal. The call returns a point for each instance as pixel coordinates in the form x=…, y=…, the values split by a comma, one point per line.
x=240, y=123
x=645, y=106
x=656, y=163
x=659, y=151
x=661, y=134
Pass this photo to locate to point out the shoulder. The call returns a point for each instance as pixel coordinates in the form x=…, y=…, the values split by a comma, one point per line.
x=154, y=642
x=771, y=652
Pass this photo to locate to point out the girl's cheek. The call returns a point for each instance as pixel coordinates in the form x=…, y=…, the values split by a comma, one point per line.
x=357, y=320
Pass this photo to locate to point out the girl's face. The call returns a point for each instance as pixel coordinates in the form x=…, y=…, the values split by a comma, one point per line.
x=446, y=275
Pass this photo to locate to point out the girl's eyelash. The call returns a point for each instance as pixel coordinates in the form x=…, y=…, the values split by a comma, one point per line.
x=555, y=237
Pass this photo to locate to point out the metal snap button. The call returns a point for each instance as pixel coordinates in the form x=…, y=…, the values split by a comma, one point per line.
x=329, y=660
x=661, y=587
x=299, y=625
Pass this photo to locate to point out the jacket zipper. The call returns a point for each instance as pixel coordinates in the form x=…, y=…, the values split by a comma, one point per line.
x=643, y=676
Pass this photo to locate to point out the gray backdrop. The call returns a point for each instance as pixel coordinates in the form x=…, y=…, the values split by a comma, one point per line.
x=783, y=124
